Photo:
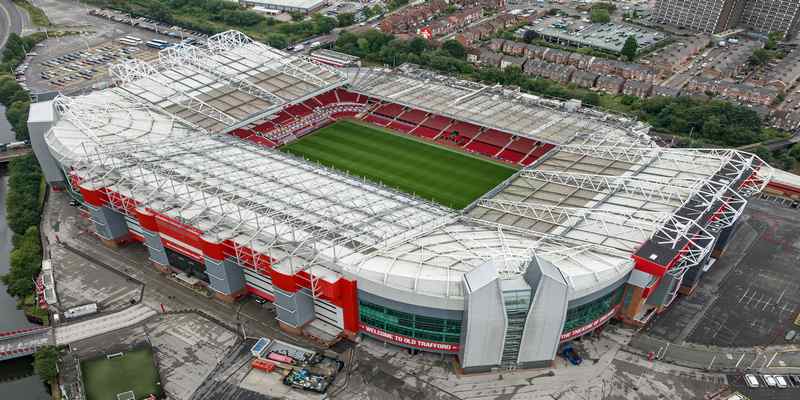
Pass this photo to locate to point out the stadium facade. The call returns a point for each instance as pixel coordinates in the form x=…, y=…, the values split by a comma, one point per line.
x=598, y=223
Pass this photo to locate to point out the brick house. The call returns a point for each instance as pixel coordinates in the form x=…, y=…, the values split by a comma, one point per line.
x=637, y=88
x=610, y=83
x=584, y=79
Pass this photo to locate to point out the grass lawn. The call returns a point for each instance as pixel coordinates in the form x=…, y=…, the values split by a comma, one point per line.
x=134, y=370
x=446, y=176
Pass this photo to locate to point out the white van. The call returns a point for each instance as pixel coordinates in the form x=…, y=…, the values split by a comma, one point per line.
x=751, y=381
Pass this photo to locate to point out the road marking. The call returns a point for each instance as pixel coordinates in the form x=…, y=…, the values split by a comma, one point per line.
x=8, y=18
x=771, y=359
x=743, y=295
x=740, y=361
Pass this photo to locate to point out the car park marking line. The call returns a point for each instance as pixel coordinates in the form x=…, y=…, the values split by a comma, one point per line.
x=770, y=360
x=743, y=295
x=740, y=360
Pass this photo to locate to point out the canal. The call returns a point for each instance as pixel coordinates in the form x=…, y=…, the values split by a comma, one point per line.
x=17, y=380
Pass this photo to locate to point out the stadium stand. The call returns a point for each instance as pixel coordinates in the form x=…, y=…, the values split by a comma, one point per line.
x=298, y=119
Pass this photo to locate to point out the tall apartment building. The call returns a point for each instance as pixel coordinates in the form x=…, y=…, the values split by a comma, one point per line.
x=767, y=16
x=710, y=16
x=714, y=16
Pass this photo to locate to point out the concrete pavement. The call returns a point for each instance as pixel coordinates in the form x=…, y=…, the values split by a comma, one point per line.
x=62, y=223
x=66, y=334
x=763, y=359
x=10, y=21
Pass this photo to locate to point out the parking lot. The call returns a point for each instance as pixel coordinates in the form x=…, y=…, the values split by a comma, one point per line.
x=75, y=68
x=80, y=61
x=764, y=392
x=751, y=296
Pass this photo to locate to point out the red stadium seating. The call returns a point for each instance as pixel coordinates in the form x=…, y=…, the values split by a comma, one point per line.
x=413, y=116
x=349, y=97
x=483, y=148
x=511, y=155
x=535, y=154
x=494, y=137
x=401, y=126
x=298, y=110
x=376, y=119
x=426, y=132
x=465, y=129
x=390, y=110
x=299, y=119
x=327, y=98
x=437, y=122
x=522, y=145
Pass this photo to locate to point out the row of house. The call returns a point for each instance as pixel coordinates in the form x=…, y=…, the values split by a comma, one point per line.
x=782, y=75
x=737, y=92
x=486, y=30
x=423, y=19
x=451, y=23
x=668, y=60
x=569, y=74
x=580, y=61
x=413, y=18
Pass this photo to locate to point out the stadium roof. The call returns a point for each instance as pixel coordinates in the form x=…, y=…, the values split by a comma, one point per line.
x=585, y=206
x=490, y=106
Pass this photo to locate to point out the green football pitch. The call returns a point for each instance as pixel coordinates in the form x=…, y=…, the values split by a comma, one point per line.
x=105, y=378
x=446, y=176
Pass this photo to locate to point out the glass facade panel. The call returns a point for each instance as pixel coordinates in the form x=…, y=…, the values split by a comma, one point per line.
x=582, y=315
x=410, y=325
x=187, y=265
x=517, y=303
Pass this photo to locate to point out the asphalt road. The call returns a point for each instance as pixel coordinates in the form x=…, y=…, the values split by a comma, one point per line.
x=10, y=21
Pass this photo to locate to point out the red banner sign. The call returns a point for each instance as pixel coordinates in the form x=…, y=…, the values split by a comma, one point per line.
x=407, y=341
x=590, y=326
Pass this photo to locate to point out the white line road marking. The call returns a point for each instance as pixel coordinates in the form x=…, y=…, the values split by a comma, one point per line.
x=771, y=359
x=781, y=296
x=743, y=295
x=740, y=360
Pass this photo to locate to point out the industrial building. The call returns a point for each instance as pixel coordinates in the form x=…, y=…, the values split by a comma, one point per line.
x=598, y=223
x=306, y=7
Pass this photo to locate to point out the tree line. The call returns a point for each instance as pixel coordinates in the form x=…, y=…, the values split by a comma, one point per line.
x=12, y=95
x=23, y=210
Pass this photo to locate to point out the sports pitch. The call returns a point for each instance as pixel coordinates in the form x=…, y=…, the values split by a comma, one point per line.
x=445, y=176
x=104, y=378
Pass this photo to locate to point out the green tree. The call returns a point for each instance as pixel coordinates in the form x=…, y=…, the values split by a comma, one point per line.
x=772, y=40
x=277, y=40
x=346, y=19
x=45, y=363
x=760, y=57
x=25, y=264
x=297, y=16
x=454, y=49
x=630, y=48
x=600, y=15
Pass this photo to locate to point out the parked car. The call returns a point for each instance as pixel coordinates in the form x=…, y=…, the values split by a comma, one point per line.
x=571, y=355
x=781, y=381
x=770, y=380
x=751, y=381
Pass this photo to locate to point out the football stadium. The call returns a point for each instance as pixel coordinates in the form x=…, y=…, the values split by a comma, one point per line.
x=428, y=212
